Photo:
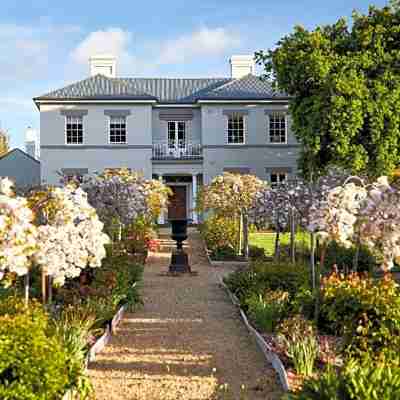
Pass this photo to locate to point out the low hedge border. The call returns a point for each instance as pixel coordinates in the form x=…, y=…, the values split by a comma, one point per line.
x=222, y=263
x=268, y=353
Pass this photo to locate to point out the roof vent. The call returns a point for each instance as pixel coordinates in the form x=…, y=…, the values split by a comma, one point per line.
x=241, y=66
x=103, y=64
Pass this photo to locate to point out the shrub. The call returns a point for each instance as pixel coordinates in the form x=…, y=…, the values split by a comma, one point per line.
x=263, y=275
x=287, y=277
x=303, y=302
x=33, y=363
x=243, y=283
x=365, y=311
x=368, y=378
x=219, y=233
x=297, y=337
x=344, y=258
x=266, y=311
x=75, y=328
x=256, y=252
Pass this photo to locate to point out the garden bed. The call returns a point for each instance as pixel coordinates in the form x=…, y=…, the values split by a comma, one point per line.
x=265, y=348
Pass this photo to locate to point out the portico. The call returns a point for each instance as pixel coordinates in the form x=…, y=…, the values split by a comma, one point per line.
x=184, y=181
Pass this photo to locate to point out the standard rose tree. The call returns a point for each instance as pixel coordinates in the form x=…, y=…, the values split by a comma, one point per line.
x=18, y=234
x=232, y=195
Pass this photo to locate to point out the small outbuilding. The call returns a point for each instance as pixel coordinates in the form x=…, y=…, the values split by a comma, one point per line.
x=21, y=168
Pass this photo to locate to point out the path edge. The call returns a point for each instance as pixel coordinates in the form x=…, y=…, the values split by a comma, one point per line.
x=265, y=348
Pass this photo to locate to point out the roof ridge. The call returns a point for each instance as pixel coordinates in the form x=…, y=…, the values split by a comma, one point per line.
x=234, y=80
x=176, y=79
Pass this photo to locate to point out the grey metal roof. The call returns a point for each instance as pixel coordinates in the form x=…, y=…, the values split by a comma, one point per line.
x=164, y=90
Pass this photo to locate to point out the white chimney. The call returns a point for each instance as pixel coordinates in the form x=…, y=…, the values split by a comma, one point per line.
x=32, y=146
x=103, y=64
x=241, y=66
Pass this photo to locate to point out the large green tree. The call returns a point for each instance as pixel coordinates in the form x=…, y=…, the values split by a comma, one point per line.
x=344, y=83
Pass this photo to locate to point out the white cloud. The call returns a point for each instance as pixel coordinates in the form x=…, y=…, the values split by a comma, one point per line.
x=112, y=41
x=22, y=52
x=203, y=42
x=149, y=57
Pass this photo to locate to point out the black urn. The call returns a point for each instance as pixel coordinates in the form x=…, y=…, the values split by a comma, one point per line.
x=179, y=259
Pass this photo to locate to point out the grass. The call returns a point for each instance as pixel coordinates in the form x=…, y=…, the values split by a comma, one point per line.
x=266, y=240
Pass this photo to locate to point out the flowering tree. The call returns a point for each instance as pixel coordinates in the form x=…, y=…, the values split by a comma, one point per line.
x=379, y=221
x=17, y=232
x=362, y=213
x=232, y=195
x=122, y=195
x=70, y=234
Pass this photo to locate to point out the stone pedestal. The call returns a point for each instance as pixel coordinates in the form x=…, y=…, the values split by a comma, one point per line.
x=179, y=262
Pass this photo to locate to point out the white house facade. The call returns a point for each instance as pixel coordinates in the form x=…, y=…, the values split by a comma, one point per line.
x=181, y=131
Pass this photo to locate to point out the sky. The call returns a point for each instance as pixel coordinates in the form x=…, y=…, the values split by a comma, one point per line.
x=45, y=44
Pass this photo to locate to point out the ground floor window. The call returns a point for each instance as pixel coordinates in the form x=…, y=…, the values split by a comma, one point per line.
x=277, y=178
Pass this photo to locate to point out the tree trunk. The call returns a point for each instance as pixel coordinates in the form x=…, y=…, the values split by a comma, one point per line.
x=322, y=256
x=245, y=236
x=292, y=237
x=239, y=252
x=277, y=246
x=26, y=289
x=312, y=237
x=50, y=289
x=356, y=255
x=44, y=288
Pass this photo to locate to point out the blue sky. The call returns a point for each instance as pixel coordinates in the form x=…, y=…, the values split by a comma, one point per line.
x=45, y=44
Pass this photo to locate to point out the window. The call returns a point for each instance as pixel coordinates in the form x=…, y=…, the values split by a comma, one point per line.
x=278, y=178
x=176, y=134
x=74, y=129
x=76, y=175
x=117, y=130
x=277, y=128
x=235, y=129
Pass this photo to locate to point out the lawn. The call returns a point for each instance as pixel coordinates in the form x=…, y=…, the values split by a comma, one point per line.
x=266, y=240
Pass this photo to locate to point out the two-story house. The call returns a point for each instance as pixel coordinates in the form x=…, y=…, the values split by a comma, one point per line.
x=181, y=131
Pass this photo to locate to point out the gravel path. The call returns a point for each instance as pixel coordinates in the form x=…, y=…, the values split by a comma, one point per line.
x=187, y=342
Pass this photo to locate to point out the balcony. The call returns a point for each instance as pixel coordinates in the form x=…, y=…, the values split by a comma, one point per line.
x=180, y=151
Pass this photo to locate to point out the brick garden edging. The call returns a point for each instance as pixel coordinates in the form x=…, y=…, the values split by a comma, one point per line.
x=266, y=349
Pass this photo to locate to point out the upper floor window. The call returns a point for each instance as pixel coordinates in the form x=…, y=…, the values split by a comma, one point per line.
x=278, y=178
x=176, y=134
x=236, y=129
x=74, y=129
x=277, y=127
x=117, y=130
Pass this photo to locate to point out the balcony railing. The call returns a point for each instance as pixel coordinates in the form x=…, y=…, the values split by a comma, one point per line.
x=181, y=151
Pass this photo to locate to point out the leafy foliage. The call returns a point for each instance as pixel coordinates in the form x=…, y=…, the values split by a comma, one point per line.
x=26, y=370
x=220, y=233
x=297, y=336
x=368, y=378
x=344, y=83
x=268, y=309
x=365, y=311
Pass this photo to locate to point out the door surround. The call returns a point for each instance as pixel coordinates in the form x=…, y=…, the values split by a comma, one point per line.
x=188, y=194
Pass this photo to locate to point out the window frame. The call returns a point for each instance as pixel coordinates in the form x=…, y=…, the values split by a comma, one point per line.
x=269, y=115
x=176, y=122
x=109, y=130
x=65, y=130
x=244, y=129
x=279, y=182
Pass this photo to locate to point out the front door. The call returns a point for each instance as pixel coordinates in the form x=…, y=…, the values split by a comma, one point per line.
x=177, y=203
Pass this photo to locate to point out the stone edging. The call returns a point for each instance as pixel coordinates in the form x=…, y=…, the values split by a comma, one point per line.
x=266, y=349
x=99, y=345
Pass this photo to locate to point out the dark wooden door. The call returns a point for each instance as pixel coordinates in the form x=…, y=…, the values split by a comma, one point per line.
x=177, y=203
